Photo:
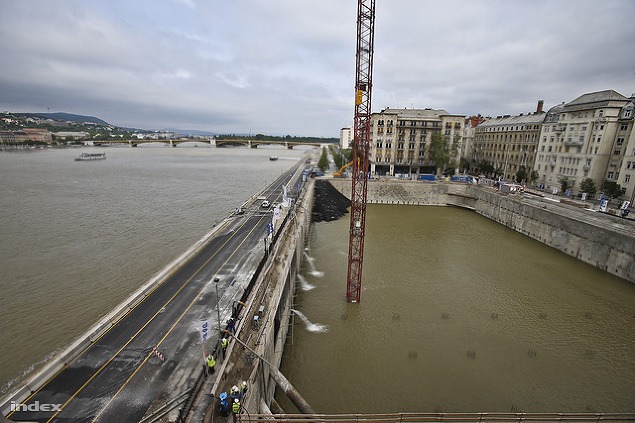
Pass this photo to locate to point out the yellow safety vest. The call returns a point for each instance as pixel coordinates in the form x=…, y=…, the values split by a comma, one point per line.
x=210, y=361
x=236, y=407
x=223, y=343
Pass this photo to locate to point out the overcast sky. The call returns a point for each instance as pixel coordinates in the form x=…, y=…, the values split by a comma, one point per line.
x=288, y=66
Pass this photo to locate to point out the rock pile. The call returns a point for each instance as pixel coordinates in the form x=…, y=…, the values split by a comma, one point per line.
x=329, y=204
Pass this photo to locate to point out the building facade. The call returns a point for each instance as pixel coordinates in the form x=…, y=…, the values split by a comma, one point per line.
x=467, y=143
x=624, y=152
x=578, y=140
x=346, y=137
x=509, y=143
x=40, y=135
x=400, y=139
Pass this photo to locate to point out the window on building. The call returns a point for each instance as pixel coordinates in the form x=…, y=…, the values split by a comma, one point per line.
x=620, y=141
x=628, y=113
x=624, y=127
x=617, y=152
x=627, y=178
x=609, y=175
x=601, y=113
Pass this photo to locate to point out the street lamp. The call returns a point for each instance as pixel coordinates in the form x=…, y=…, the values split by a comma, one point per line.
x=216, y=280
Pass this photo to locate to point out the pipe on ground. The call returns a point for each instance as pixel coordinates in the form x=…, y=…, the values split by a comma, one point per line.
x=281, y=381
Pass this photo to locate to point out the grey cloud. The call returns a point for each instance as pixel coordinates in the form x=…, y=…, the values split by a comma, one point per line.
x=286, y=68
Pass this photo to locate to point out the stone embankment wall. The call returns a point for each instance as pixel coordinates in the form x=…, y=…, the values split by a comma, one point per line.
x=271, y=301
x=604, y=241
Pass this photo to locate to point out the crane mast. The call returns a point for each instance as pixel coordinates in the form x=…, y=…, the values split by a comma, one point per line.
x=361, y=145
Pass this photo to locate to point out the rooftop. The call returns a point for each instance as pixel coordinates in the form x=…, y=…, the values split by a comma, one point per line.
x=522, y=119
x=416, y=113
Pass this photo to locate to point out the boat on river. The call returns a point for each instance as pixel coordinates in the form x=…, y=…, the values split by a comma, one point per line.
x=86, y=157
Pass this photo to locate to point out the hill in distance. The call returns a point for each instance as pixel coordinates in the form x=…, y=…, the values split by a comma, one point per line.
x=69, y=117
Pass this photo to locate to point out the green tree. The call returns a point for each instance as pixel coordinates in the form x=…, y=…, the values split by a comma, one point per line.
x=521, y=175
x=443, y=152
x=486, y=167
x=533, y=177
x=611, y=189
x=565, y=184
x=588, y=185
x=323, y=162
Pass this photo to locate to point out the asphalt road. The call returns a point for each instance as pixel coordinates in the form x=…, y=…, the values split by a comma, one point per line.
x=119, y=376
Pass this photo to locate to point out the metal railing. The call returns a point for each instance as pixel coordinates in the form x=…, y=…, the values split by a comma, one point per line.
x=443, y=417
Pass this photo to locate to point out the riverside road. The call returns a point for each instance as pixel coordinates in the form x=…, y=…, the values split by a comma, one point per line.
x=119, y=376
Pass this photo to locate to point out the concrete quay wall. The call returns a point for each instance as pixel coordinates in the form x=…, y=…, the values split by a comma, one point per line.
x=271, y=300
x=604, y=241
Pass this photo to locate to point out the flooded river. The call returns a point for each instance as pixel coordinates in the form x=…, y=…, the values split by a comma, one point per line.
x=458, y=314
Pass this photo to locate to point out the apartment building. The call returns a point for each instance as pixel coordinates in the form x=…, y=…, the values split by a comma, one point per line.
x=41, y=135
x=624, y=152
x=508, y=142
x=467, y=143
x=400, y=138
x=346, y=137
x=578, y=140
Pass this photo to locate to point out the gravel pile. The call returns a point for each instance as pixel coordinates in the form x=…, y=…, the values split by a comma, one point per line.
x=329, y=204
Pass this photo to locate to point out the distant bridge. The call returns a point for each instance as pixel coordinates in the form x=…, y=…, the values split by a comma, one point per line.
x=255, y=143
x=134, y=143
x=211, y=141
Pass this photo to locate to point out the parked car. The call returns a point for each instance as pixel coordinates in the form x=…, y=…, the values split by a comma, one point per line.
x=265, y=204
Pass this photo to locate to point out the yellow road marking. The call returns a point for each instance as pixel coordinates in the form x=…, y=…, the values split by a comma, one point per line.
x=141, y=329
x=152, y=318
x=172, y=327
x=114, y=324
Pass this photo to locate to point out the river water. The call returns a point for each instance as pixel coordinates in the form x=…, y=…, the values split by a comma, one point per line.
x=457, y=314
x=78, y=237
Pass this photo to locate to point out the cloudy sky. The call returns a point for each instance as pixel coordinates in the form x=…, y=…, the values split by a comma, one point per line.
x=288, y=66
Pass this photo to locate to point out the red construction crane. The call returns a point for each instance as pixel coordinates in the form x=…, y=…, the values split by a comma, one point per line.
x=361, y=145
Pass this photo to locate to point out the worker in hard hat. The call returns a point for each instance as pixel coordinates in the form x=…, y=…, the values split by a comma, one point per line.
x=231, y=325
x=223, y=405
x=211, y=363
x=236, y=408
x=243, y=389
x=234, y=393
x=223, y=345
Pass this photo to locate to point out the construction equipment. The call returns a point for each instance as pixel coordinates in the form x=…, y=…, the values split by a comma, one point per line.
x=361, y=145
x=342, y=169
